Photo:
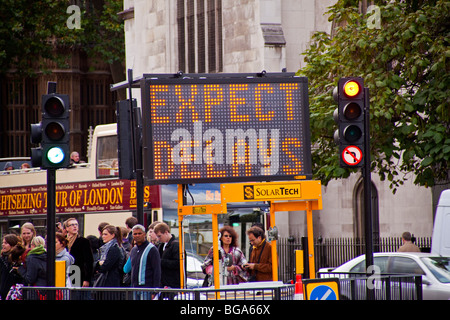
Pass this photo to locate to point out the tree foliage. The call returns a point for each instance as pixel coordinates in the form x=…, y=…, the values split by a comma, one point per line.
x=405, y=65
x=32, y=31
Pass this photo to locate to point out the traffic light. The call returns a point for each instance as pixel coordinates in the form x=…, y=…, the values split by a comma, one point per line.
x=349, y=94
x=36, y=138
x=53, y=133
x=125, y=140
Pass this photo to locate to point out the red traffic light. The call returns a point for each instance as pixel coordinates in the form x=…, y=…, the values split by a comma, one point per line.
x=54, y=107
x=352, y=111
x=54, y=131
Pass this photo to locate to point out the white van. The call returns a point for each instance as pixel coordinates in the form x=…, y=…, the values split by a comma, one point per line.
x=440, y=244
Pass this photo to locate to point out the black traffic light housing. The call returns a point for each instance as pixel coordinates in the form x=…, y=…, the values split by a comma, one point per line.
x=53, y=133
x=125, y=139
x=36, y=138
x=350, y=117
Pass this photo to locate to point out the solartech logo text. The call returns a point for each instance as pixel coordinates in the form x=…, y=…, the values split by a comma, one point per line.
x=279, y=191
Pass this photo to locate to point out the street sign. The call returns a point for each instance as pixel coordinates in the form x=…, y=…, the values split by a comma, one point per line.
x=271, y=191
x=321, y=289
x=352, y=155
x=225, y=128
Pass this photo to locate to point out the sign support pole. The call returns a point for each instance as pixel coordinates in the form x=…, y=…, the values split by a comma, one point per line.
x=181, y=234
x=215, y=228
x=274, y=245
x=309, y=223
x=136, y=147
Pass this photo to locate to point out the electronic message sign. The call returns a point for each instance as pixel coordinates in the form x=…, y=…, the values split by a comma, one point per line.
x=224, y=129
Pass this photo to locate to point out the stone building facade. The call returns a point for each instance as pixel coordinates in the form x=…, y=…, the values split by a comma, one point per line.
x=203, y=36
x=91, y=103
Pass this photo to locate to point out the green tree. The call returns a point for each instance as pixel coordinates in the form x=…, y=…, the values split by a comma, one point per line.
x=404, y=63
x=26, y=31
x=33, y=32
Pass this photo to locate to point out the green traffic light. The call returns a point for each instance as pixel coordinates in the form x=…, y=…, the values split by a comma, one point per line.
x=352, y=133
x=55, y=155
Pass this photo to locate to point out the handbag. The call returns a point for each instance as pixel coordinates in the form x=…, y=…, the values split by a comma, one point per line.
x=100, y=279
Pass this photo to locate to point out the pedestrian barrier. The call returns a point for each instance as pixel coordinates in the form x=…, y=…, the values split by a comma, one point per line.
x=248, y=291
x=356, y=286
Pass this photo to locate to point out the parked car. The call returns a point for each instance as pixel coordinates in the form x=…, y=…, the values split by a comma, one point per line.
x=435, y=270
x=194, y=273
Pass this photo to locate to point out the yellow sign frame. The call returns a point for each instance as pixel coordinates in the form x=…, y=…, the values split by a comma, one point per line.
x=308, y=199
x=273, y=191
x=303, y=195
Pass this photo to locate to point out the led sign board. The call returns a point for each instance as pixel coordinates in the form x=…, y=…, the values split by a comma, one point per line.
x=224, y=129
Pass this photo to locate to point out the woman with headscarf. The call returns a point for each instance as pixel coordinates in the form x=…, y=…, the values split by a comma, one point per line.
x=108, y=271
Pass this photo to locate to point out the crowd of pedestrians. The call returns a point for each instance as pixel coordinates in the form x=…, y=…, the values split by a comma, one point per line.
x=122, y=256
x=118, y=257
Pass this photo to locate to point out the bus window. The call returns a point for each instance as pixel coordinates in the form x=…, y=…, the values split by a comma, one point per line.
x=107, y=162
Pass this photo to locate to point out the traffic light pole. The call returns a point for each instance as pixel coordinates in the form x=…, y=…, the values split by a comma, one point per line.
x=367, y=191
x=51, y=226
x=353, y=137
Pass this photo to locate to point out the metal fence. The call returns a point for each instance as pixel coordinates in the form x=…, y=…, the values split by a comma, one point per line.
x=249, y=291
x=332, y=252
x=354, y=286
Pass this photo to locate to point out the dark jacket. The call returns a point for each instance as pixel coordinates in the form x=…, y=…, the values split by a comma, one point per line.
x=152, y=274
x=112, y=266
x=170, y=263
x=8, y=276
x=35, y=271
x=82, y=253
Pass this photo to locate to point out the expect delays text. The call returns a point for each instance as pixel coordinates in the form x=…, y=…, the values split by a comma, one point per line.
x=227, y=310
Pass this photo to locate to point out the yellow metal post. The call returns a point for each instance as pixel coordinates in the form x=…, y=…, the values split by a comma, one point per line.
x=215, y=229
x=274, y=246
x=60, y=273
x=299, y=269
x=180, y=237
x=309, y=222
x=181, y=249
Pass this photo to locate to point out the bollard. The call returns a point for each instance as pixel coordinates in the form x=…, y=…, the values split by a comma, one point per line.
x=298, y=288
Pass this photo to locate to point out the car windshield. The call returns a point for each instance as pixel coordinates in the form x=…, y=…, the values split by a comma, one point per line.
x=439, y=267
